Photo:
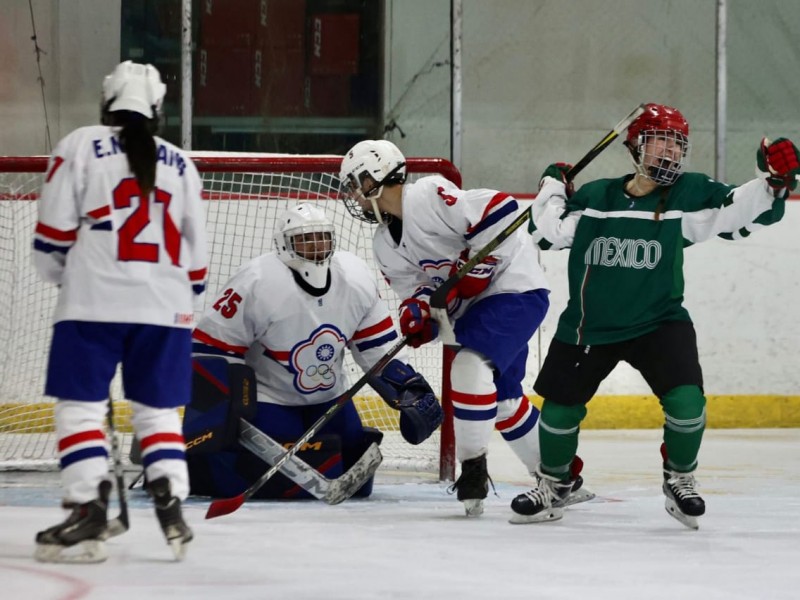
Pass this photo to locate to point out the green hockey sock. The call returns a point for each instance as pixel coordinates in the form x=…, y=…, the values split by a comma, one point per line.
x=685, y=421
x=559, y=426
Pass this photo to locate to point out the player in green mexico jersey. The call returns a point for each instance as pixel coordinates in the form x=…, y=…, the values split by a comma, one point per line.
x=626, y=238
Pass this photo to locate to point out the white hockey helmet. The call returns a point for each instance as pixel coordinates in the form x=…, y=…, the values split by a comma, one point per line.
x=304, y=240
x=134, y=87
x=365, y=169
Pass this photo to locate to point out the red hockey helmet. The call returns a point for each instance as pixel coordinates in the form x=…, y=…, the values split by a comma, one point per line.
x=658, y=141
x=657, y=117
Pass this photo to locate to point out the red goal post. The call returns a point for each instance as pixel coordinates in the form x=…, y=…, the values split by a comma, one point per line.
x=245, y=194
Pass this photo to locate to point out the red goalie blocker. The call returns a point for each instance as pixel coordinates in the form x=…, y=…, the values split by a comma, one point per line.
x=219, y=466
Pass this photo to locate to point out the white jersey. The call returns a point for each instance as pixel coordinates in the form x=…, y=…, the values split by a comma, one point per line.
x=116, y=257
x=440, y=220
x=295, y=341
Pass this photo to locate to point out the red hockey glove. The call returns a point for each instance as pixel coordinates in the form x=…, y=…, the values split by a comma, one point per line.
x=778, y=162
x=558, y=171
x=476, y=280
x=416, y=322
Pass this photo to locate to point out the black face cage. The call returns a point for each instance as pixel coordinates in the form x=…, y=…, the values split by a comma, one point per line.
x=353, y=188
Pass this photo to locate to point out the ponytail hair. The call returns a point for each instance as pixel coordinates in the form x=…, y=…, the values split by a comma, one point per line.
x=137, y=141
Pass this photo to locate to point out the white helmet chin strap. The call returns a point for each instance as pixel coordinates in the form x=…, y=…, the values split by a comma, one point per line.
x=373, y=199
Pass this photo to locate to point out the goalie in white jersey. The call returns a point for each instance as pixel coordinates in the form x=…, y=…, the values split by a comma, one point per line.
x=121, y=231
x=427, y=230
x=290, y=315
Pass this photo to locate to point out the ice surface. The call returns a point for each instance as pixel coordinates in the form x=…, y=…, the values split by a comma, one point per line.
x=411, y=540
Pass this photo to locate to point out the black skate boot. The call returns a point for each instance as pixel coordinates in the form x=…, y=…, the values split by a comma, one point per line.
x=168, y=511
x=79, y=539
x=545, y=502
x=683, y=502
x=472, y=485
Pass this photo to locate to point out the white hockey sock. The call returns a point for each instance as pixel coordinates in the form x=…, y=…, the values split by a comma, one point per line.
x=518, y=422
x=474, y=403
x=163, y=449
x=82, y=448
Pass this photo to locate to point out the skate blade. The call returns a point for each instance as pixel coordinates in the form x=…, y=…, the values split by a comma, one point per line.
x=473, y=508
x=673, y=511
x=88, y=551
x=115, y=528
x=553, y=513
x=582, y=495
x=178, y=548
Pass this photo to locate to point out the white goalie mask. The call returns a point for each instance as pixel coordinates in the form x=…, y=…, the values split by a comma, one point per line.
x=304, y=241
x=365, y=169
x=134, y=87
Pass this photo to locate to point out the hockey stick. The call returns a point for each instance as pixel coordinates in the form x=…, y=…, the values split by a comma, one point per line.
x=119, y=524
x=226, y=506
x=439, y=296
x=331, y=491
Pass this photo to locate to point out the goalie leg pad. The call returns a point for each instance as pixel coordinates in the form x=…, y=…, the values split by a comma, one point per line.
x=222, y=393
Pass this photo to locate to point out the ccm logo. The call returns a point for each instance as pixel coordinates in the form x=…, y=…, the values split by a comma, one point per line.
x=316, y=446
x=199, y=440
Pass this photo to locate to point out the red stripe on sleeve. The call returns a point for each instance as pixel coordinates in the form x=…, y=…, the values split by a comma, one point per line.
x=381, y=327
x=198, y=275
x=57, y=234
x=99, y=213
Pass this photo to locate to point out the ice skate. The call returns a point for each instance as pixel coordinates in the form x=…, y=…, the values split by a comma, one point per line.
x=79, y=539
x=683, y=502
x=472, y=485
x=168, y=511
x=545, y=502
x=579, y=493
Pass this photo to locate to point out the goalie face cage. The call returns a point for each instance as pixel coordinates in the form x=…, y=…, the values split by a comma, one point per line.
x=245, y=194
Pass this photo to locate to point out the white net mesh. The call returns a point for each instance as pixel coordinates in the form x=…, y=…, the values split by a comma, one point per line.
x=245, y=195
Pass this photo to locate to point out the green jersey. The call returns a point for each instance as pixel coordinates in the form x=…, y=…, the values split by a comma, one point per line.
x=626, y=253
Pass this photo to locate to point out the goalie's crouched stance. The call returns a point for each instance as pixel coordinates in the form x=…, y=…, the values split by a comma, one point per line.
x=225, y=460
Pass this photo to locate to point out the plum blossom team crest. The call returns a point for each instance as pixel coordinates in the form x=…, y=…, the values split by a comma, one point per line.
x=313, y=360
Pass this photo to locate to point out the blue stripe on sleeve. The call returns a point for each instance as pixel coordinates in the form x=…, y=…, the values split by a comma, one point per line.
x=47, y=248
x=366, y=345
x=493, y=218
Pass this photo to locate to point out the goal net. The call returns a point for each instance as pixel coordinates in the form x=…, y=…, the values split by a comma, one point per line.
x=245, y=194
